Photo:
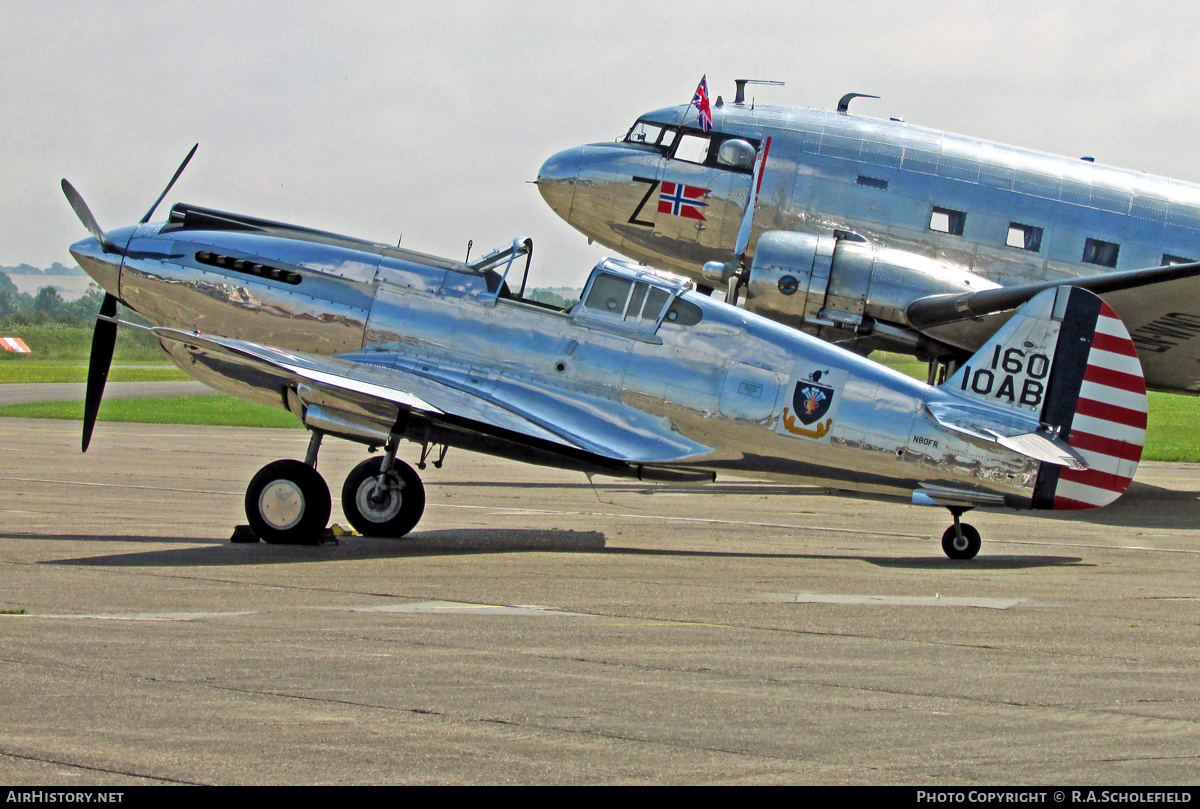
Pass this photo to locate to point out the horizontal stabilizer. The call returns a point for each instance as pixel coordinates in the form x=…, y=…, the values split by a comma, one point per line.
x=1043, y=447
x=1014, y=431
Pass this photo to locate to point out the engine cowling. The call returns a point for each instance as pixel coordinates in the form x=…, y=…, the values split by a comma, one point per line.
x=843, y=287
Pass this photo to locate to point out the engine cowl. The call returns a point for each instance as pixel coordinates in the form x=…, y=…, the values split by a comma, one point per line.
x=831, y=285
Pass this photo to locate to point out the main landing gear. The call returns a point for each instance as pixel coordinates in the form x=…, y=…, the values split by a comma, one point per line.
x=961, y=540
x=288, y=502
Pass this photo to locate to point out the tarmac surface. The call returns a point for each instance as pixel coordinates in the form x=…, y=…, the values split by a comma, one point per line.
x=537, y=629
x=28, y=392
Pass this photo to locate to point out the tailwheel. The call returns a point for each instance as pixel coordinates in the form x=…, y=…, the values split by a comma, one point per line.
x=382, y=504
x=288, y=503
x=961, y=540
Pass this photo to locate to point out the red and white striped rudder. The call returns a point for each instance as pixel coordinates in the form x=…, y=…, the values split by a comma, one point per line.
x=1096, y=397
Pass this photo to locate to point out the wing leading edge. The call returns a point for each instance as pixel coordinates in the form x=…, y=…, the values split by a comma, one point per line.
x=373, y=389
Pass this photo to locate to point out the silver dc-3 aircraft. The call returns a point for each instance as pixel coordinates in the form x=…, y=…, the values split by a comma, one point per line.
x=878, y=234
x=644, y=377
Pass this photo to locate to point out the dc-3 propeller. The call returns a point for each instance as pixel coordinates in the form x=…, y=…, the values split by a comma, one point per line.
x=104, y=337
x=734, y=274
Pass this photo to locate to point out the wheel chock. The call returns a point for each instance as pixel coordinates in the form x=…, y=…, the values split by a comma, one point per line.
x=243, y=533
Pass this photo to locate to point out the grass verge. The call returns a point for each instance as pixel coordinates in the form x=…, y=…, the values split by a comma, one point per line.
x=72, y=371
x=216, y=410
x=56, y=342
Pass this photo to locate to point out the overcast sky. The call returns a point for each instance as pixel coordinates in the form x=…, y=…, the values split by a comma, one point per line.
x=377, y=119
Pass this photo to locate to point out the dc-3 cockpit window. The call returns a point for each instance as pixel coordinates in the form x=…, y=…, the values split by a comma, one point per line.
x=650, y=134
x=723, y=151
x=726, y=152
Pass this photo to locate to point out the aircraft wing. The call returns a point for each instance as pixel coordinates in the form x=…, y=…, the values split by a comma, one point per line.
x=1160, y=306
x=938, y=310
x=374, y=387
x=1164, y=322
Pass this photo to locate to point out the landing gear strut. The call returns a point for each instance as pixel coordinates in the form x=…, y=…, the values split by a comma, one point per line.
x=961, y=540
x=384, y=497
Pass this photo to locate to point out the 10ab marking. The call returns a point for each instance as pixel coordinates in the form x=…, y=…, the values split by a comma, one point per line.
x=1013, y=362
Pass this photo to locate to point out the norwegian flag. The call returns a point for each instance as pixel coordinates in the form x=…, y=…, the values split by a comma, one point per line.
x=678, y=199
x=700, y=102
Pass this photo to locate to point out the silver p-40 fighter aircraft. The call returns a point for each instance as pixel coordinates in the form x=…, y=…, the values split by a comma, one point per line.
x=644, y=377
x=878, y=234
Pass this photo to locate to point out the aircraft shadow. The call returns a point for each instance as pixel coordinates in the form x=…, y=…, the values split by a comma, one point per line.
x=913, y=562
x=480, y=541
x=422, y=543
x=1142, y=506
x=772, y=489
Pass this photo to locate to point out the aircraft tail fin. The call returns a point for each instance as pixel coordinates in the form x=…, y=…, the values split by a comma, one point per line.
x=1065, y=363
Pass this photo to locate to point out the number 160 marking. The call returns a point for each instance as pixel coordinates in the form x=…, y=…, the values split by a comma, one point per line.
x=1013, y=361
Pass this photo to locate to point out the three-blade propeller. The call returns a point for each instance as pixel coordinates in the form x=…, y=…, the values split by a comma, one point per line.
x=104, y=337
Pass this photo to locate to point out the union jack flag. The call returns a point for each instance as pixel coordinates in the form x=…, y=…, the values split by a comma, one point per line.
x=700, y=102
x=682, y=200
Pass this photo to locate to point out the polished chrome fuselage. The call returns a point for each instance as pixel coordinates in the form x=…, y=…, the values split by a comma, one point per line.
x=700, y=395
x=811, y=184
x=872, y=190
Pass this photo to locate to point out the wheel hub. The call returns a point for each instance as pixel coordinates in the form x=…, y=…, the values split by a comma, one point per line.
x=378, y=503
x=281, y=504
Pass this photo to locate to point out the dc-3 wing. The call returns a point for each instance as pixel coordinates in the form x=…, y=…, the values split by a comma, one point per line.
x=372, y=390
x=1160, y=307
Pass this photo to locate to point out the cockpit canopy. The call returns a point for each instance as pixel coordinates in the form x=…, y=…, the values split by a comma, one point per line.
x=691, y=145
x=635, y=298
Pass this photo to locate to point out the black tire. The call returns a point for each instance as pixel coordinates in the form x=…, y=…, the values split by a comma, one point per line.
x=288, y=503
x=967, y=548
x=393, y=517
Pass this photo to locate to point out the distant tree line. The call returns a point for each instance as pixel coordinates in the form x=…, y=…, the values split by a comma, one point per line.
x=47, y=306
x=55, y=269
x=553, y=298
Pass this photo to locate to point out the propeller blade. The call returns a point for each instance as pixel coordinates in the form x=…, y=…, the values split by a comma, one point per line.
x=743, y=236
x=85, y=216
x=178, y=171
x=104, y=341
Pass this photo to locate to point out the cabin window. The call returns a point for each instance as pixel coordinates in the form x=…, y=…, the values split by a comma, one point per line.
x=692, y=148
x=1101, y=253
x=944, y=220
x=683, y=313
x=1169, y=260
x=609, y=294
x=871, y=182
x=638, y=303
x=1024, y=237
x=654, y=304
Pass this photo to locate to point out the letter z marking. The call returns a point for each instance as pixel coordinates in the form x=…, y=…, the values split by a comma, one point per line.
x=633, y=220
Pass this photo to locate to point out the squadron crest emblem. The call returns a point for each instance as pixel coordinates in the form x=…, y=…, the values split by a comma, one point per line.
x=812, y=400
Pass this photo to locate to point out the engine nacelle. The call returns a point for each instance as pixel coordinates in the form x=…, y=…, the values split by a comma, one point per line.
x=839, y=286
